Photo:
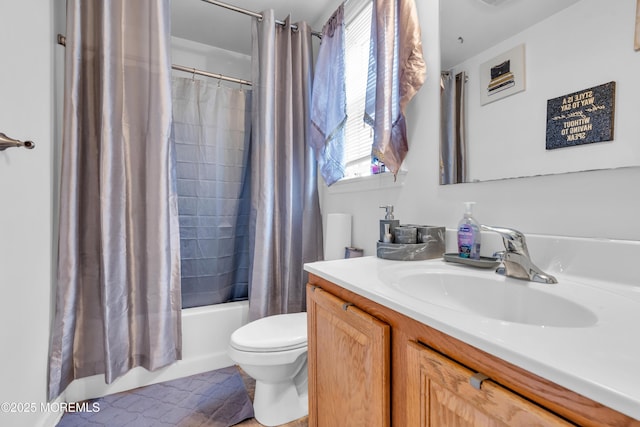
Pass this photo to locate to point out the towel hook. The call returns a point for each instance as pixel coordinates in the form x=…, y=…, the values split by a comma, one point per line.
x=8, y=142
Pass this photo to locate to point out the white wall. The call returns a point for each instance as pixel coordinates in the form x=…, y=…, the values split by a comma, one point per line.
x=569, y=52
x=603, y=204
x=208, y=58
x=26, y=188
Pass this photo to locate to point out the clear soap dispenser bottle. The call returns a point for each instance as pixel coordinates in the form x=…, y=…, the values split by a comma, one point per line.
x=469, y=234
x=390, y=223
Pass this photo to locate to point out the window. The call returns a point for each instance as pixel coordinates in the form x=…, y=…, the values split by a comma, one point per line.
x=358, y=135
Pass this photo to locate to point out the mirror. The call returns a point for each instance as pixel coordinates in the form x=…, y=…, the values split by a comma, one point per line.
x=569, y=46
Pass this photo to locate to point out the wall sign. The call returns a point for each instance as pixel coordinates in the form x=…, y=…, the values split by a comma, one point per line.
x=582, y=117
x=503, y=75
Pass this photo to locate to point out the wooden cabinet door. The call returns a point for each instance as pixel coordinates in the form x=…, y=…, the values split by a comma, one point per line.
x=349, y=370
x=439, y=393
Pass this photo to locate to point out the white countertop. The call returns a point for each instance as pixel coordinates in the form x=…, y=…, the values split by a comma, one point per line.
x=601, y=362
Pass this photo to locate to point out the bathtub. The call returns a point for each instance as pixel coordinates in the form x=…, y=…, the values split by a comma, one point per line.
x=205, y=336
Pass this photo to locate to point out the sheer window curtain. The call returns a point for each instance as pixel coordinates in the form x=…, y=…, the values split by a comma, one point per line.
x=396, y=72
x=329, y=100
x=211, y=130
x=453, y=145
x=285, y=213
x=118, y=297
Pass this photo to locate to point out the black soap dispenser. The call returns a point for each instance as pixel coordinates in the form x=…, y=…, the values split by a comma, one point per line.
x=388, y=219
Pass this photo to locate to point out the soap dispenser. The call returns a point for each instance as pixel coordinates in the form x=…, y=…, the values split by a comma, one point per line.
x=469, y=234
x=392, y=224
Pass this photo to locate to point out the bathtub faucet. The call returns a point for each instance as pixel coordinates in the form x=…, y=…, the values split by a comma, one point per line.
x=517, y=261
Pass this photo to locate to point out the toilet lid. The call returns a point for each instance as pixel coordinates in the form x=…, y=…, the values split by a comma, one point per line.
x=273, y=333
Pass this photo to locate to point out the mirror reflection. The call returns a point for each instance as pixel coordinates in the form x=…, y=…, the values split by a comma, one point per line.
x=569, y=46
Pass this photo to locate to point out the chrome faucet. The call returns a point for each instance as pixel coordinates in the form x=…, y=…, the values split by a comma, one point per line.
x=516, y=259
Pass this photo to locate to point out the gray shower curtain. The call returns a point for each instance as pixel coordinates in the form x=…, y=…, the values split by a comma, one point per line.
x=211, y=130
x=118, y=296
x=285, y=212
x=453, y=129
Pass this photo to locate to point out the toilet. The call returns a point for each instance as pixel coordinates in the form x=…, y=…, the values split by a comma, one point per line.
x=273, y=351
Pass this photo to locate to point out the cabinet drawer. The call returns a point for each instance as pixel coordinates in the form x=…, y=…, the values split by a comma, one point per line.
x=440, y=393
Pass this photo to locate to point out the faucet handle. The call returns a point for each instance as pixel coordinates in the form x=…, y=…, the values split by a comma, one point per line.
x=516, y=260
x=514, y=240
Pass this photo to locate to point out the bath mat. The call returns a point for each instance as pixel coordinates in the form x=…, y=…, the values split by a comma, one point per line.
x=212, y=399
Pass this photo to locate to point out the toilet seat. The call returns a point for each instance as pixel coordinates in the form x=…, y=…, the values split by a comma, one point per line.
x=276, y=333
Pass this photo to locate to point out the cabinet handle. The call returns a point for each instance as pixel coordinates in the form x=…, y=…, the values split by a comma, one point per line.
x=477, y=379
x=346, y=305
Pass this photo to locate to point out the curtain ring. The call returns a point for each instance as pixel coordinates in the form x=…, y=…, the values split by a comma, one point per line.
x=193, y=75
x=219, y=81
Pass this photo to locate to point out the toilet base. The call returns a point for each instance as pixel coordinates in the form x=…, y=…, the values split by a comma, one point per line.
x=279, y=403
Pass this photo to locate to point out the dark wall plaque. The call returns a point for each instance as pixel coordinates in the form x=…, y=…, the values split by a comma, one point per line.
x=581, y=117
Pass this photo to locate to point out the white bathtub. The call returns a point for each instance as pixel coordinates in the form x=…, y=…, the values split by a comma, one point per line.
x=205, y=336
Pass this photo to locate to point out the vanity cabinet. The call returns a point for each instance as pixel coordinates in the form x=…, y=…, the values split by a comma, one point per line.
x=441, y=392
x=414, y=375
x=348, y=356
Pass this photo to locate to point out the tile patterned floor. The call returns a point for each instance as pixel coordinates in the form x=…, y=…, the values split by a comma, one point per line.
x=209, y=399
x=171, y=403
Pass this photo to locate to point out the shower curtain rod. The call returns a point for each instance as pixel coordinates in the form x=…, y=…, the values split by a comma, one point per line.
x=254, y=14
x=62, y=40
x=212, y=75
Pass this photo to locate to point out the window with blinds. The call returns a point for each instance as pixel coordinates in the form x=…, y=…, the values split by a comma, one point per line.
x=358, y=135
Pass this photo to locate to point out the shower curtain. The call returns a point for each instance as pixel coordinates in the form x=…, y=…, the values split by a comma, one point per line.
x=285, y=212
x=118, y=296
x=453, y=144
x=211, y=130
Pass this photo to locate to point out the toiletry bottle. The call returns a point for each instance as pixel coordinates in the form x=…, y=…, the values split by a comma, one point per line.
x=387, y=234
x=469, y=234
x=388, y=219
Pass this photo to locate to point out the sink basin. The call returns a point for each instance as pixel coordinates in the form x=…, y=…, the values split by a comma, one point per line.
x=495, y=297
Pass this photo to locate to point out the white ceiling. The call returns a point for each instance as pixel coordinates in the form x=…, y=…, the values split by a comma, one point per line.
x=479, y=24
x=482, y=25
